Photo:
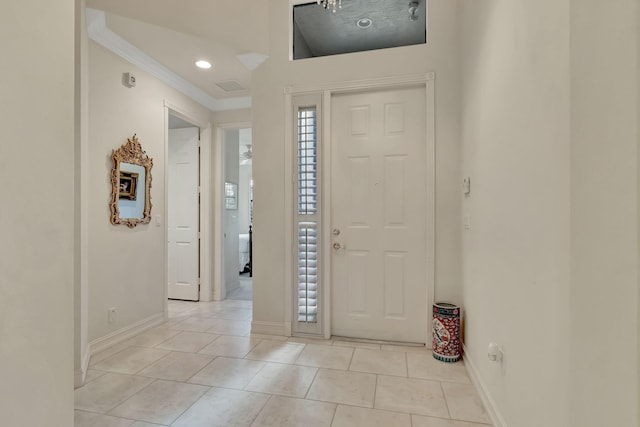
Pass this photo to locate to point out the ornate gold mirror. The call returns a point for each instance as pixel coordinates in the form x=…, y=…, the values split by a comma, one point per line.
x=130, y=185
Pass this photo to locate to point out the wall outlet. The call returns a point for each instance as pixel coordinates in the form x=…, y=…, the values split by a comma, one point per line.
x=111, y=314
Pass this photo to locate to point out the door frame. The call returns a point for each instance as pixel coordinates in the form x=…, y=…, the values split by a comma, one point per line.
x=205, y=199
x=328, y=91
x=219, y=290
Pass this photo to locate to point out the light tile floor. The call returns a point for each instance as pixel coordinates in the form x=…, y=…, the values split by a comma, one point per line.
x=204, y=368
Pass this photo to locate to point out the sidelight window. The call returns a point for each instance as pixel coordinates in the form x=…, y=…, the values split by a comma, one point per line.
x=307, y=233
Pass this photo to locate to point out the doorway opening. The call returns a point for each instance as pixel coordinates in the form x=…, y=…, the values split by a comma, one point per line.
x=238, y=214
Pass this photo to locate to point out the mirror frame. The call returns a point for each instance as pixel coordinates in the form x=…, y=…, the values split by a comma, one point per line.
x=130, y=152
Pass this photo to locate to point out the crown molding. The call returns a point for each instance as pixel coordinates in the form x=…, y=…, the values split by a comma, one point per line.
x=101, y=34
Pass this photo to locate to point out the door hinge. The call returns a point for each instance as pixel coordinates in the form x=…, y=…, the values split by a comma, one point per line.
x=198, y=235
x=199, y=189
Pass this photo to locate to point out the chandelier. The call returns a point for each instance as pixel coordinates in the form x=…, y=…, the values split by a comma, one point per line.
x=331, y=4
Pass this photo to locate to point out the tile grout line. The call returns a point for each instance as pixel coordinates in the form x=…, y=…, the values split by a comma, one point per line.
x=311, y=384
x=189, y=407
x=444, y=397
x=375, y=393
x=121, y=402
x=406, y=364
x=353, y=354
x=266, y=403
x=200, y=370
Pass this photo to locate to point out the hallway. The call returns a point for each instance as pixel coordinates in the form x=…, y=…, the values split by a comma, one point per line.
x=244, y=291
x=203, y=367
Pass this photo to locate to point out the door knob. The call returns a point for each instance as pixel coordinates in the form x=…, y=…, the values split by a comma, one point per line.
x=336, y=232
x=337, y=246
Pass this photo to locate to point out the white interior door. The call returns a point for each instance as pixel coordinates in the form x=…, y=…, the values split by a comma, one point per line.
x=378, y=187
x=183, y=221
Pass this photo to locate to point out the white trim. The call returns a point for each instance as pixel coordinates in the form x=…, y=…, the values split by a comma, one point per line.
x=356, y=85
x=115, y=337
x=165, y=222
x=205, y=198
x=101, y=34
x=269, y=328
x=430, y=230
x=206, y=237
x=81, y=374
x=219, y=291
x=427, y=80
x=310, y=99
x=497, y=420
x=218, y=240
x=326, y=213
x=288, y=215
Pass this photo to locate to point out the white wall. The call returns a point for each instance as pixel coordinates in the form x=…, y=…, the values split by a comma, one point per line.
x=604, y=213
x=269, y=81
x=126, y=266
x=37, y=213
x=550, y=264
x=516, y=136
x=241, y=116
x=82, y=190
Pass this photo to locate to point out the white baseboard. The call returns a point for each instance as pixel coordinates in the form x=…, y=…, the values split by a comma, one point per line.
x=496, y=418
x=122, y=334
x=268, y=328
x=81, y=374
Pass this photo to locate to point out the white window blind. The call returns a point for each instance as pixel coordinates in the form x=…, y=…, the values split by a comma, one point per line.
x=307, y=219
x=307, y=272
x=307, y=162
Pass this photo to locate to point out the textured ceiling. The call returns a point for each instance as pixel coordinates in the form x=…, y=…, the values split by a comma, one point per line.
x=327, y=33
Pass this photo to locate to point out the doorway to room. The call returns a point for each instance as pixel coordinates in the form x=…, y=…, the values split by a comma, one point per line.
x=238, y=213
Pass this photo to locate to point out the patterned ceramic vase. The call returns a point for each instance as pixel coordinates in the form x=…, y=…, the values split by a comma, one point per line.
x=446, y=332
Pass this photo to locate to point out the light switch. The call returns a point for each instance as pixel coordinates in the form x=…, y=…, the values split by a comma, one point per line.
x=158, y=221
x=466, y=222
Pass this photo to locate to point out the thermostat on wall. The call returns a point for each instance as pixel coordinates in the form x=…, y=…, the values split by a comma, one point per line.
x=129, y=79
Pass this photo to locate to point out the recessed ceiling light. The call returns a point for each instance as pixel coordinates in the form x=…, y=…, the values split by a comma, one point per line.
x=203, y=64
x=364, y=23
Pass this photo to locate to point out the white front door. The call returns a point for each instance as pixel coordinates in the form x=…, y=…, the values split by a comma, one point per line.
x=378, y=187
x=183, y=221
